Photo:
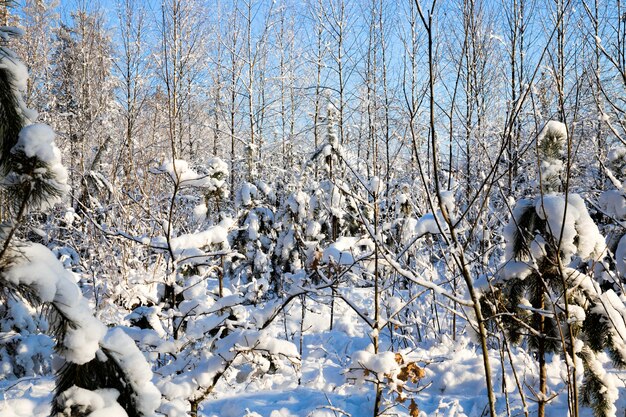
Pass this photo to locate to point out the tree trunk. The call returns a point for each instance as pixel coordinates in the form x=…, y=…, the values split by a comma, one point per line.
x=541, y=352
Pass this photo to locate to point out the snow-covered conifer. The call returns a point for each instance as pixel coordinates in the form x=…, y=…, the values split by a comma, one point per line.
x=102, y=368
x=549, y=240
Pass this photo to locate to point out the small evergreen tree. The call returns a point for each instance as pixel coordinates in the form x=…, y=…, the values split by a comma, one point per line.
x=545, y=298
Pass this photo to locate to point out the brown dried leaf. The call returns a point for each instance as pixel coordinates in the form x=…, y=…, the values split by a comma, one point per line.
x=411, y=371
x=317, y=258
x=414, y=410
x=401, y=397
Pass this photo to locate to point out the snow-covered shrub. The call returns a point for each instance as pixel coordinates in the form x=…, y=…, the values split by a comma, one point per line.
x=398, y=375
x=209, y=179
x=216, y=171
x=256, y=238
x=24, y=350
x=300, y=233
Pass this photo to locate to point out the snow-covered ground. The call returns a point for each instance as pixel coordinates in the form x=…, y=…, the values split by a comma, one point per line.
x=453, y=385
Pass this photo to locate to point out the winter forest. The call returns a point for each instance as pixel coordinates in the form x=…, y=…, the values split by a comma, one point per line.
x=312, y=208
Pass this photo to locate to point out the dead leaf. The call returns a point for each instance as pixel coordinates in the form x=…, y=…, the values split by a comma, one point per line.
x=411, y=371
x=414, y=410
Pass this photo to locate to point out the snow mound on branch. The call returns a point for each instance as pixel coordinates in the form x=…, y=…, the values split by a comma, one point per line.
x=37, y=141
x=18, y=80
x=428, y=224
x=213, y=180
x=518, y=269
x=617, y=162
x=8, y=32
x=620, y=256
x=298, y=203
x=610, y=381
x=448, y=200
x=551, y=142
x=18, y=70
x=554, y=130
x=407, y=230
x=381, y=365
x=199, y=212
x=151, y=315
x=551, y=169
x=616, y=153
x=212, y=236
x=613, y=202
x=347, y=250
x=190, y=247
x=217, y=167
x=180, y=171
x=137, y=371
x=511, y=229
x=248, y=193
x=239, y=343
x=571, y=223
x=613, y=309
x=98, y=403
x=38, y=268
